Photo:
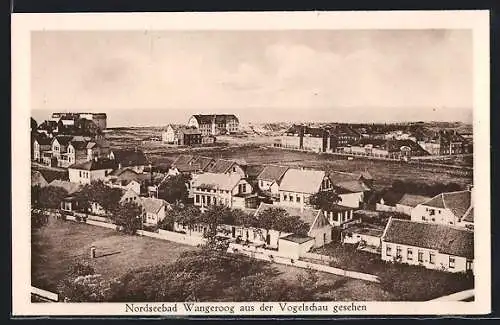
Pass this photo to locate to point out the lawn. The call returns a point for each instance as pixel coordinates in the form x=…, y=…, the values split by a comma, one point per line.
x=61, y=243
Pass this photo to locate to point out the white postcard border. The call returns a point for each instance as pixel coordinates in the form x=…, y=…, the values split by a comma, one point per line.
x=23, y=24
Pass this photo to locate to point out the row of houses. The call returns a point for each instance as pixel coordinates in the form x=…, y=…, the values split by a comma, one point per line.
x=394, y=144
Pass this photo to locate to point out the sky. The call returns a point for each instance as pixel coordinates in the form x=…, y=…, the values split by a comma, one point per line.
x=154, y=78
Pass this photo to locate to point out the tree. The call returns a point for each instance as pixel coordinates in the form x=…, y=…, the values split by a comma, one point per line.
x=51, y=197
x=187, y=216
x=107, y=197
x=34, y=125
x=38, y=220
x=128, y=217
x=325, y=200
x=35, y=196
x=213, y=217
x=174, y=189
x=279, y=220
x=87, y=288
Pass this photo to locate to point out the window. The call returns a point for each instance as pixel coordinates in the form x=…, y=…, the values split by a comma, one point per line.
x=197, y=198
x=420, y=257
x=451, y=262
x=432, y=212
x=80, y=173
x=432, y=258
x=398, y=252
x=388, y=250
x=285, y=197
x=297, y=199
x=409, y=254
x=468, y=265
x=423, y=218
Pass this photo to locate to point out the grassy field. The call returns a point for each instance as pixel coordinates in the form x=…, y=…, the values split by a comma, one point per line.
x=61, y=243
x=384, y=172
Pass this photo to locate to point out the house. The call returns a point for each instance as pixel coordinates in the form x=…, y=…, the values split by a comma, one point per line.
x=387, y=201
x=97, y=148
x=350, y=187
x=188, y=164
x=225, y=166
x=302, y=137
x=230, y=190
x=125, y=184
x=60, y=146
x=269, y=179
x=92, y=170
x=169, y=134
x=319, y=227
x=446, y=208
x=48, y=128
x=214, y=124
x=69, y=203
x=297, y=185
x=154, y=210
x=340, y=136
x=99, y=119
x=126, y=176
x=41, y=144
x=368, y=237
x=37, y=179
x=389, y=149
x=188, y=136
x=434, y=246
x=340, y=216
x=131, y=158
x=76, y=152
x=408, y=202
x=128, y=196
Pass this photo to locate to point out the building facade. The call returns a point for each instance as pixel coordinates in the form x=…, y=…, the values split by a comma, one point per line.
x=214, y=124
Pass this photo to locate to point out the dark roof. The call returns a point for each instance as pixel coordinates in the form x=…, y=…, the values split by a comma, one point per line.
x=188, y=130
x=392, y=145
x=63, y=140
x=43, y=140
x=38, y=179
x=130, y=157
x=297, y=238
x=458, y=202
x=182, y=160
x=47, y=125
x=79, y=145
x=221, y=166
x=368, y=230
x=98, y=164
x=443, y=238
x=307, y=215
x=202, y=163
x=219, y=118
x=339, y=177
x=412, y=200
x=391, y=197
x=355, y=186
x=253, y=171
x=272, y=173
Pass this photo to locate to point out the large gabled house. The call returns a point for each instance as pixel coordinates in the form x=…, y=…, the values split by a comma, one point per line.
x=297, y=186
x=154, y=210
x=351, y=187
x=450, y=208
x=230, y=190
x=97, y=148
x=59, y=147
x=90, y=171
x=214, y=124
x=226, y=166
x=131, y=158
x=434, y=246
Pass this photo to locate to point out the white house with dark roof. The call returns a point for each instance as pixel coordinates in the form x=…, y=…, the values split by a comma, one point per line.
x=449, y=208
x=298, y=185
x=131, y=158
x=231, y=190
x=269, y=179
x=92, y=170
x=350, y=187
x=434, y=246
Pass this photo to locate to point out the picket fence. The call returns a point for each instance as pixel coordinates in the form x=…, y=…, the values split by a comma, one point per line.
x=251, y=251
